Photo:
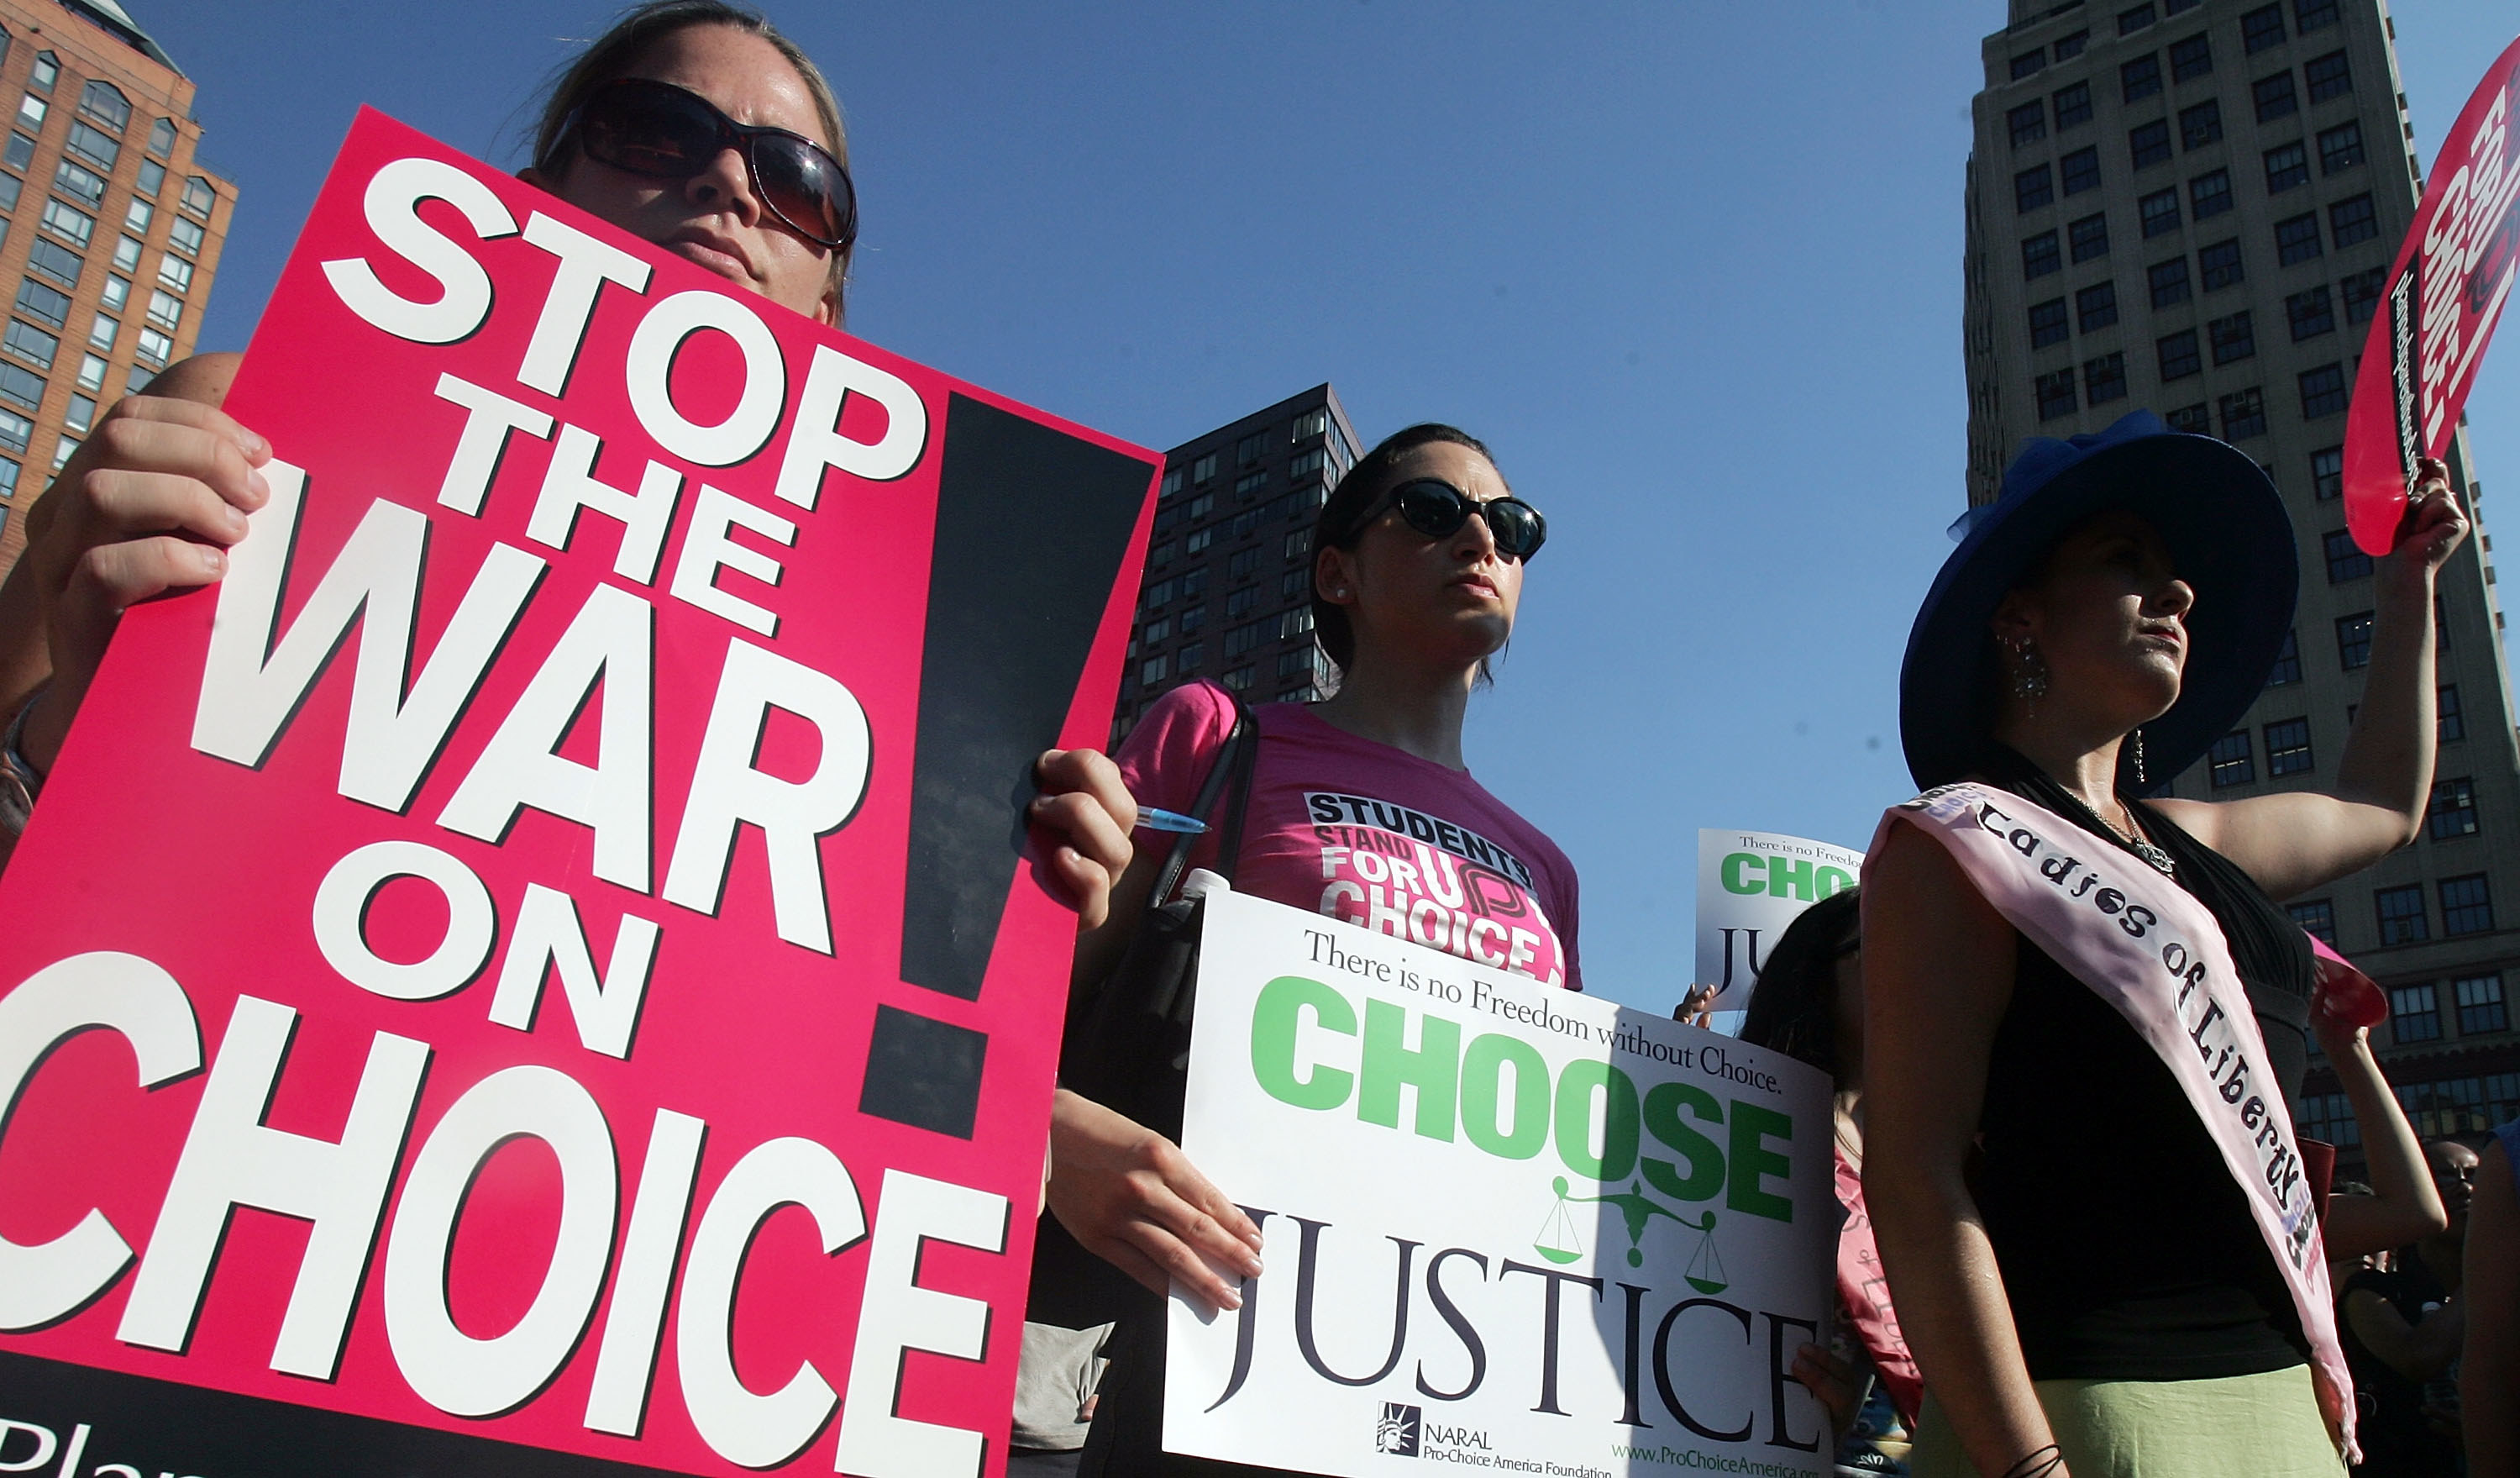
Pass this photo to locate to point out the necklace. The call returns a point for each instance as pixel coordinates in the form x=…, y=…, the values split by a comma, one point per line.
x=2131, y=836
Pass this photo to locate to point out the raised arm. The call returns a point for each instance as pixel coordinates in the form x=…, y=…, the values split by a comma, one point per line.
x=1938, y=965
x=2407, y=1205
x=2299, y=840
x=147, y=505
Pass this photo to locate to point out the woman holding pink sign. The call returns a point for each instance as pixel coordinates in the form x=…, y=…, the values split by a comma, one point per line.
x=2085, y=1015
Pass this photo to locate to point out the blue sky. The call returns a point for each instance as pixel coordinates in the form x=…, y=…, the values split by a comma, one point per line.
x=1692, y=269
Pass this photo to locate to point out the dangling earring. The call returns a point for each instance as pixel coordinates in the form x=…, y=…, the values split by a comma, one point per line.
x=2030, y=678
x=2139, y=778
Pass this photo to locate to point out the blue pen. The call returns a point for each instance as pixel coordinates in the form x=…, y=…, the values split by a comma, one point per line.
x=1156, y=818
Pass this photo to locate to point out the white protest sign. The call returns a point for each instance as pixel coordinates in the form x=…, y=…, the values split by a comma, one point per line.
x=1507, y=1227
x=1750, y=884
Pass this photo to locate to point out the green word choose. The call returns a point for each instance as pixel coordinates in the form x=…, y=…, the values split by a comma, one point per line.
x=1466, y=1089
x=1785, y=877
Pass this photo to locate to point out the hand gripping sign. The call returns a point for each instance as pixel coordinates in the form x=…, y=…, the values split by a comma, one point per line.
x=2451, y=282
x=535, y=973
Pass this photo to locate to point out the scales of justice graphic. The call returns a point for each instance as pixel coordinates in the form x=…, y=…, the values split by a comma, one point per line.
x=1561, y=1242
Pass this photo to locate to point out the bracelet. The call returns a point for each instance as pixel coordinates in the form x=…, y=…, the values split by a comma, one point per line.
x=19, y=781
x=2038, y=1464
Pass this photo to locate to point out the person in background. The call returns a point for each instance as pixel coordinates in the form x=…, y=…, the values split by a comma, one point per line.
x=1419, y=561
x=2402, y=1332
x=2126, y=592
x=2489, y=1377
x=1808, y=1004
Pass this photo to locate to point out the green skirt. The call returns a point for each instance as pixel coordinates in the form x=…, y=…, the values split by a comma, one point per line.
x=2266, y=1426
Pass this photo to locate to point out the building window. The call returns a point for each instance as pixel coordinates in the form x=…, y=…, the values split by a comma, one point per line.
x=1294, y=623
x=2232, y=338
x=51, y=306
x=117, y=292
x=2055, y=394
x=21, y=152
x=2354, y=640
x=2038, y=254
x=1243, y=564
x=2452, y=812
x=2361, y=293
x=1189, y=658
x=2073, y=106
x=78, y=227
x=2467, y=905
x=185, y=237
x=2066, y=47
x=2328, y=1118
x=2448, y=723
x=1173, y=479
x=97, y=148
x=2033, y=188
x=2210, y=195
x=47, y=72
x=2260, y=29
x=2244, y=414
x=2316, y=916
x=2160, y=210
x=1240, y=639
x=2340, y=148
x=2327, y=471
x=2345, y=557
x=2414, y=1012
x=30, y=113
x=2402, y=914
x=2275, y=97
x=10, y=186
x=1294, y=583
x=76, y=180
x=2029, y=123
x=1241, y=602
x=1203, y=470
x=1251, y=449
x=2311, y=15
x=1299, y=543
x=1195, y=617
x=2297, y=239
x=100, y=334
x=81, y=414
x=2149, y=143
x=1250, y=483
x=1239, y=679
x=2327, y=77
x=2131, y=21
x=2096, y=306
x=2353, y=220
x=30, y=344
x=2231, y=762
x=1151, y=672
x=2221, y=265
x=2311, y=313
x=2029, y=61
x=104, y=103
x=91, y=375
x=2193, y=420
x=2200, y=126
x=21, y=388
x=153, y=175
x=2048, y=323
x=2080, y=170
x=2104, y=379
x=2287, y=668
x=2481, y=1006
x=161, y=138
x=2139, y=78
x=2286, y=168
x=2179, y=356
x=127, y=254
x=54, y=260
x=2288, y=747
x=2168, y=281
x=2323, y=392
x=2191, y=58
x=14, y=430
x=2089, y=237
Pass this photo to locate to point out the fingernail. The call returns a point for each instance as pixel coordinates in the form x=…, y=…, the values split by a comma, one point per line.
x=214, y=561
x=1251, y=1267
x=256, y=446
x=234, y=521
x=262, y=487
x=1232, y=1299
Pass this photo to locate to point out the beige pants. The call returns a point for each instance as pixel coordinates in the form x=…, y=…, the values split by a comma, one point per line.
x=2265, y=1426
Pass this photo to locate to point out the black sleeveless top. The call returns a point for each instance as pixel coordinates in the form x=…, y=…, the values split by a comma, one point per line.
x=2128, y=1251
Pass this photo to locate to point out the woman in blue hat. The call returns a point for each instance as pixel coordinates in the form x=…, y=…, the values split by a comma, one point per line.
x=2085, y=1014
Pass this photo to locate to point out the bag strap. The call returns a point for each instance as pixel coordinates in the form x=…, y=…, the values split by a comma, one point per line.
x=1233, y=760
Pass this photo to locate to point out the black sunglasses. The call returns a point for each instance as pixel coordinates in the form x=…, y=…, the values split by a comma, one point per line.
x=662, y=131
x=1437, y=509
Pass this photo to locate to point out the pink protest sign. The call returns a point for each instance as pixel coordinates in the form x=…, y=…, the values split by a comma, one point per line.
x=2437, y=310
x=538, y=971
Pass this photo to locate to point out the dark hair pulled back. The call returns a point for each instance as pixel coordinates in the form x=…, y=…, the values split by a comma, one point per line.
x=1794, y=1008
x=1342, y=520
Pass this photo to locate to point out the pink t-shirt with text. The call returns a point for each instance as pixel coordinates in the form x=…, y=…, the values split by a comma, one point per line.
x=1367, y=833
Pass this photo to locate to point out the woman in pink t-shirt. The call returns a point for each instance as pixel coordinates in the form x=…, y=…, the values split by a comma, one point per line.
x=1361, y=808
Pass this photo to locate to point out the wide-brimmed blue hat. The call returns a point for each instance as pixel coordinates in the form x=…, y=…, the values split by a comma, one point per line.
x=2229, y=538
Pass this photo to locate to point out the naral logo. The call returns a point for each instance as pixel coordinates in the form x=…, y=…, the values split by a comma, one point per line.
x=1397, y=1432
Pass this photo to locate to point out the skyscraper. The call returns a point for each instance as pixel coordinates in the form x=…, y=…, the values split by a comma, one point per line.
x=1228, y=591
x=2189, y=205
x=109, y=231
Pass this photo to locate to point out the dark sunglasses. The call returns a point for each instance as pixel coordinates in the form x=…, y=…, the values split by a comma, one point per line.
x=1437, y=509
x=664, y=132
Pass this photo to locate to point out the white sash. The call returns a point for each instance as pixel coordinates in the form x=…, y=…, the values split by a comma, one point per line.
x=2154, y=952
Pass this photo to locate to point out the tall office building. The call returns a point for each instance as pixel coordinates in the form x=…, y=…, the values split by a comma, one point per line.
x=1228, y=591
x=109, y=231
x=2189, y=205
